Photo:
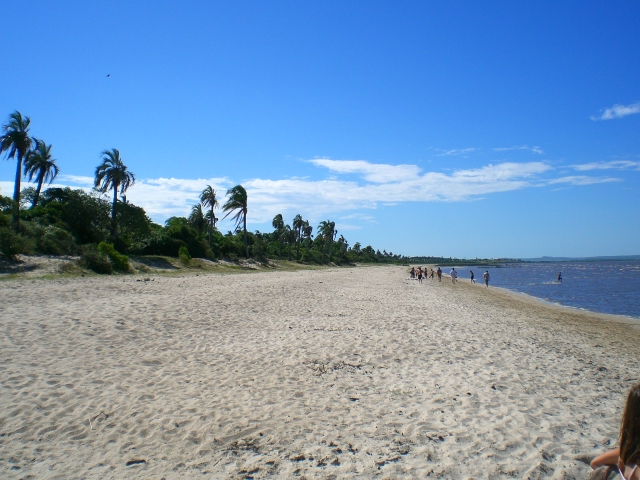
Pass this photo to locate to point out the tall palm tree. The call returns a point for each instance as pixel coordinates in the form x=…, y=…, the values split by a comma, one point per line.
x=209, y=200
x=306, y=231
x=112, y=173
x=196, y=219
x=291, y=235
x=237, y=202
x=328, y=231
x=16, y=143
x=278, y=224
x=41, y=165
x=297, y=226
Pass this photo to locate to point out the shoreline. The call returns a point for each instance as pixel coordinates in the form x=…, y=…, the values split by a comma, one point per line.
x=347, y=372
x=522, y=296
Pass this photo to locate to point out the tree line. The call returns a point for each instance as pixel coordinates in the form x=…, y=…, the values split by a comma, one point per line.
x=65, y=221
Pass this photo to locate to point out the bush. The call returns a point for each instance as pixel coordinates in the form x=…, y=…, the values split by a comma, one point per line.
x=118, y=261
x=56, y=241
x=183, y=253
x=158, y=243
x=11, y=244
x=94, y=260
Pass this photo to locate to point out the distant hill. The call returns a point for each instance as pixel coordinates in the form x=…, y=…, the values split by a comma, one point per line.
x=442, y=261
x=583, y=259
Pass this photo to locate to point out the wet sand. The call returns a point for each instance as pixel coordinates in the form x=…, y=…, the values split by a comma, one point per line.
x=339, y=373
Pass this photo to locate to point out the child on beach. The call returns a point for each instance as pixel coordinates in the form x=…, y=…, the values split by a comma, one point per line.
x=472, y=277
x=627, y=456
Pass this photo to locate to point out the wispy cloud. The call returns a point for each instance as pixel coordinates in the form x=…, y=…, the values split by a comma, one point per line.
x=347, y=198
x=371, y=172
x=456, y=151
x=533, y=149
x=617, y=111
x=583, y=180
x=615, y=164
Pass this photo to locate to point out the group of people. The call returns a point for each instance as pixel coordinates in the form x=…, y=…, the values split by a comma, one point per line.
x=420, y=274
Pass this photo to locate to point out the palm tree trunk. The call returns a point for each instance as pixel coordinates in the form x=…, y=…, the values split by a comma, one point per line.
x=114, y=226
x=211, y=229
x=35, y=199
x=246, y=244
x=16, y=195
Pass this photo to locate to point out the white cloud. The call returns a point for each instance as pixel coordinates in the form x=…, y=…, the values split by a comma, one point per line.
x=456, y=151
x=615, y=164
x=583, y=180
x=372, y=172
x=618, y=111
x=376, y=184
x=533, y=149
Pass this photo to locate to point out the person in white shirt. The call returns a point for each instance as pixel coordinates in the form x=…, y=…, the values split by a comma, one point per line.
x=454, y=275
x=486, y=278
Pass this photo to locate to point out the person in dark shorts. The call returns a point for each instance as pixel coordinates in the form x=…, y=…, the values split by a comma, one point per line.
x=439, y=274
x=472, y=277
x=486, y=277
x=559, y=277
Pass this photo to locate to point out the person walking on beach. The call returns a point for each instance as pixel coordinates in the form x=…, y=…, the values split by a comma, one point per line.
x=559, y=277
x=486, y=277
x=431, y=273
x=472, y=277
x=420, y=274
x=454, y=275
x=412, y=273
x=439, y=273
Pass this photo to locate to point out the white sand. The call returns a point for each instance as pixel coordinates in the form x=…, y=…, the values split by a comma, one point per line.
x=322, y=374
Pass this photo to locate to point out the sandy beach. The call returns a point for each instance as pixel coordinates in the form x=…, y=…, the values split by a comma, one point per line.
x=336, y=373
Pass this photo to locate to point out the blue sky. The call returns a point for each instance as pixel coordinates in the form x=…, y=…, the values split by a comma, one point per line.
x=466, y=129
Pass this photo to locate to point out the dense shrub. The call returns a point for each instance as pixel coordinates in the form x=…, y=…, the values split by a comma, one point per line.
x=56, y=241
x=11, y=244
x=94, y=260
x=158, y=243
x=118, y=261
x=183, y=253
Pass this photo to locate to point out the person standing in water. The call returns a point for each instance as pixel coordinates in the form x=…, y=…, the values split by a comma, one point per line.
x=472, y=277
x=486, y=277
x=559, y=277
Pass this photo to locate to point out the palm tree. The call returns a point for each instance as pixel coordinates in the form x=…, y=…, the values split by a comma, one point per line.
x=39, y=164
x=112, y=173
x=196, y=219
x=297, y=226
x=278, y=224
x=306, y=231
x=16, y=142
x=328, y=231
x=209, y=200
x=291, y=235
x=238, y=201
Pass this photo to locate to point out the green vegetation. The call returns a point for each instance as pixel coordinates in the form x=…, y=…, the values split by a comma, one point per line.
x=104, y=233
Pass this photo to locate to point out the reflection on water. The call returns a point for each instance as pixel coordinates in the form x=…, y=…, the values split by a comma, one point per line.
x=606, y=287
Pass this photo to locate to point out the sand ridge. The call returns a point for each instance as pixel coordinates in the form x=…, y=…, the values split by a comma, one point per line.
x=320, y=374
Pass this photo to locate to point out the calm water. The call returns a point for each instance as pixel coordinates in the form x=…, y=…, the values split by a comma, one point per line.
x=606, y=287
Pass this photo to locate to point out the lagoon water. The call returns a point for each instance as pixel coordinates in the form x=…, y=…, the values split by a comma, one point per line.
x=605, y=287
